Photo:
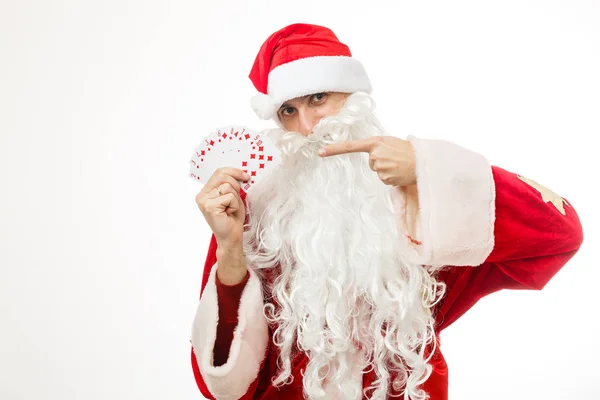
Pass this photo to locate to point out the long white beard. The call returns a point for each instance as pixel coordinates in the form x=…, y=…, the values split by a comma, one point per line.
x=326, y=229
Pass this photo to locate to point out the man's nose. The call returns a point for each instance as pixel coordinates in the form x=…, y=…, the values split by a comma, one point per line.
x=306, y=122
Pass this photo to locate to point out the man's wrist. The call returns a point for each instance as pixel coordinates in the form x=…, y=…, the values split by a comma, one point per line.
x=229, y=245
x=229, y=250
x=231, y=263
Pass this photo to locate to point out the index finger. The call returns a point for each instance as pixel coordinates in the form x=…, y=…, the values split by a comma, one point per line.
x=235, y=173
x=351, y=146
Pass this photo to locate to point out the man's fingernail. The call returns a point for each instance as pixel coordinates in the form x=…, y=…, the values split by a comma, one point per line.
x=321, y=152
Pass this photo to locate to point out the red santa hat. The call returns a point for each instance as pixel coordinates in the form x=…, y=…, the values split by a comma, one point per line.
x=299, y=60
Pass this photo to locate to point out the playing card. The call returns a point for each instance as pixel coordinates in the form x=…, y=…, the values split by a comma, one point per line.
x=213, y=157
x=230, y=138
x=203, y=159
x=260, y=157
x=237, y=147
x=197, y=172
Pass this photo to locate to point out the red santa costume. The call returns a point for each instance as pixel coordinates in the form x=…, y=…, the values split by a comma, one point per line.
x=351, y=281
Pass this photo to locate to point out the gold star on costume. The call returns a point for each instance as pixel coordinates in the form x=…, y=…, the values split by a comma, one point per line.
x=547, y=194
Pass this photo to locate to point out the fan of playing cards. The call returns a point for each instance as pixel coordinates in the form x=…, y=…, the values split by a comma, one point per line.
x=236, y=147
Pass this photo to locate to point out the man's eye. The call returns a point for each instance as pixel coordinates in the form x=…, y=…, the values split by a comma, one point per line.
x=318, y=97
x=288, y=111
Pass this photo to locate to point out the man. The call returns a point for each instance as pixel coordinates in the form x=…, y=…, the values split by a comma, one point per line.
x=334, y=276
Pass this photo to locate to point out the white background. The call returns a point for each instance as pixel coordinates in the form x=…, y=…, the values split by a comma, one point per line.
x=101, y=243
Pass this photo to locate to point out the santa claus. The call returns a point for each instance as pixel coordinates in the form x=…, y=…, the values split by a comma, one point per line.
x=333, y=277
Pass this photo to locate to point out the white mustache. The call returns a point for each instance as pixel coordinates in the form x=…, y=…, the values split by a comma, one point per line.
x=329, y=130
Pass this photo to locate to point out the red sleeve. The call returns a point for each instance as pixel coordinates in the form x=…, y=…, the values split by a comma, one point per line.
x=229, y=302
x=536, y=233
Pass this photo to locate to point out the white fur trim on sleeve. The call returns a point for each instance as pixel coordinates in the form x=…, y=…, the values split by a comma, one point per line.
x=454, y=221
x=248, y=348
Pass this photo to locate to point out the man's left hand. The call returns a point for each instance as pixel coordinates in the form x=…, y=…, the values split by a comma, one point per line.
x=392, y=158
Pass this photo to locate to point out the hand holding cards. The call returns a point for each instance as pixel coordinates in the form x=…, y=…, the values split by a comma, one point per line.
x=237, y=147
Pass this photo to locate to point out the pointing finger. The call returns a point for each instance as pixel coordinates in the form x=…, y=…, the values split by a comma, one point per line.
x=351, y=146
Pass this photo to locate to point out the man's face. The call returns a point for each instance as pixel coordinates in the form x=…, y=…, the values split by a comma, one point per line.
x=303, y=113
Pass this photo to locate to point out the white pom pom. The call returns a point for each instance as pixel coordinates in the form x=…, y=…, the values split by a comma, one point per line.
x=263, y=106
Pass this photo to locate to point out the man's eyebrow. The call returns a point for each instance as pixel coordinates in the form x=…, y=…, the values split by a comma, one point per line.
x=286, y=105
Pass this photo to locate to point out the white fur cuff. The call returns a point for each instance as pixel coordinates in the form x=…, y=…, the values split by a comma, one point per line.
x=454, y=222
x=248, y=348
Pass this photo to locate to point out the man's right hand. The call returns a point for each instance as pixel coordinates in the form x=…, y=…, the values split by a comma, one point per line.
x=224, y=212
